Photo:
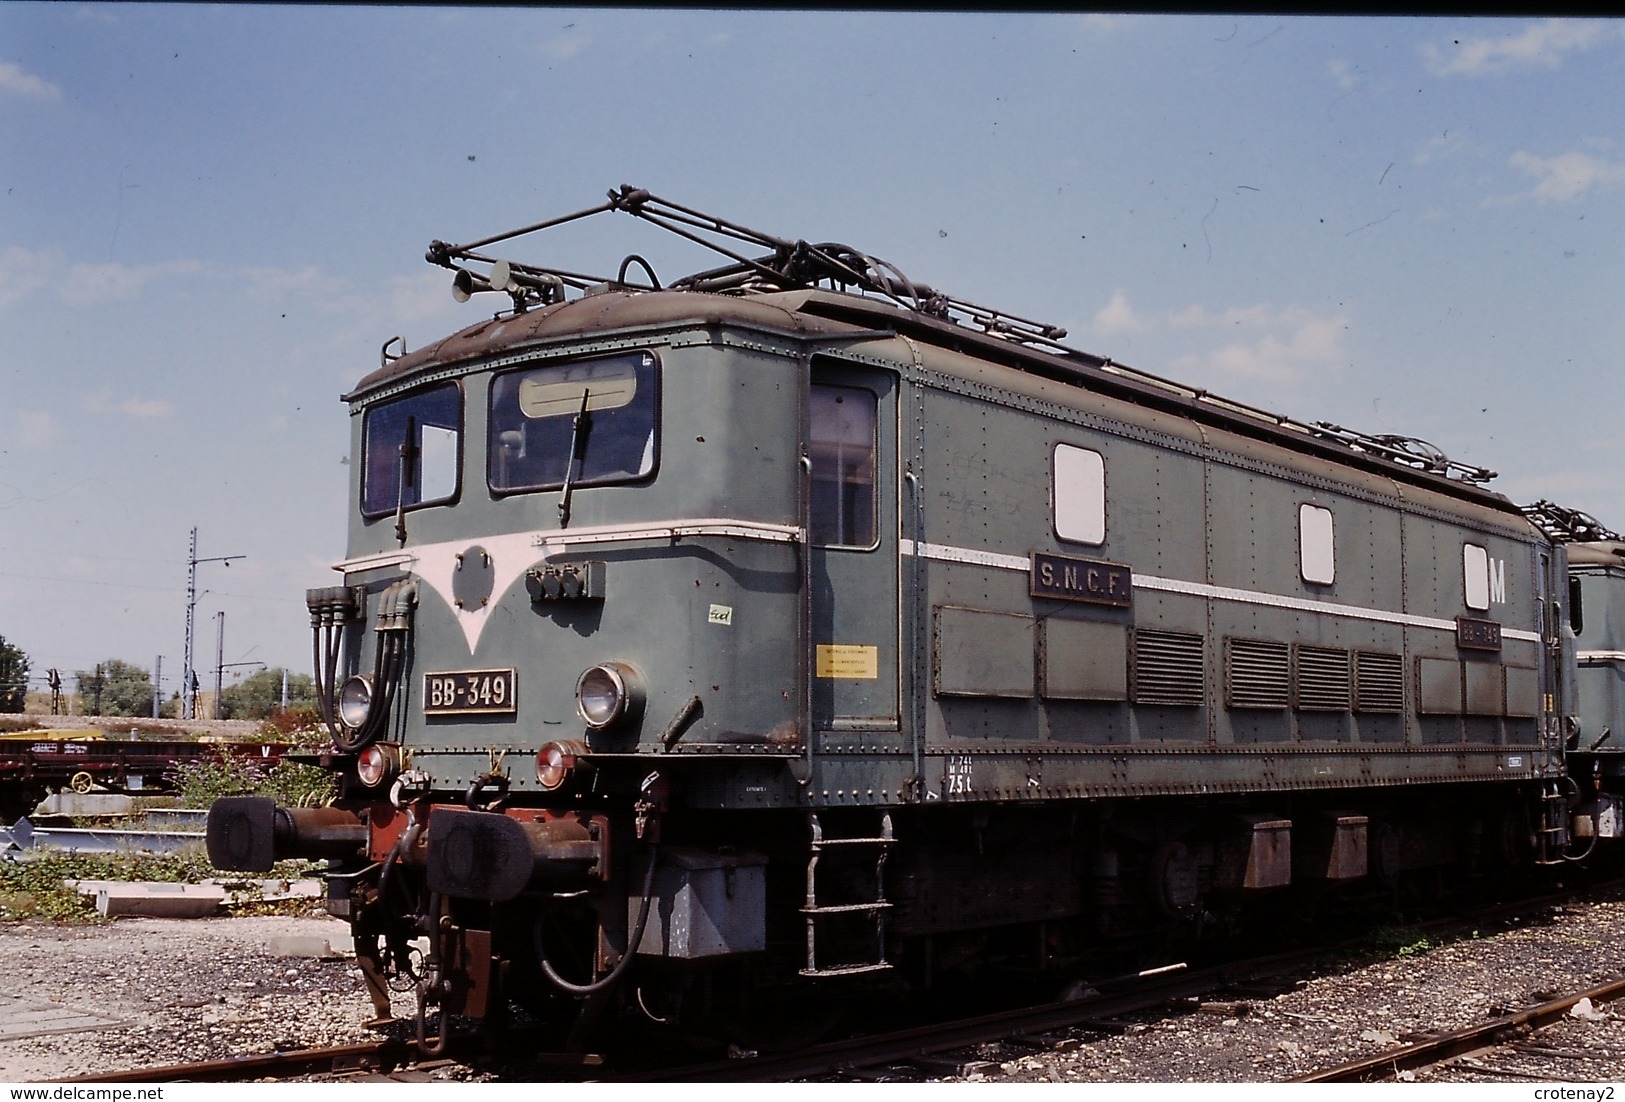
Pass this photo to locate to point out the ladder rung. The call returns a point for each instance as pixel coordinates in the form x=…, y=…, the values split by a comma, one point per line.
x=846, y=908
x=847, y=970
x=852, y=842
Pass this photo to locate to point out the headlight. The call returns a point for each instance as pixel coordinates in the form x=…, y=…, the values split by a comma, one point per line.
x=377, y=764
x=608, y=694
x=355, y=702
x=555, y=762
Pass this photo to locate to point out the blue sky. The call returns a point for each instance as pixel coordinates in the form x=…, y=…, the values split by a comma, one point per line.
x=212, y=217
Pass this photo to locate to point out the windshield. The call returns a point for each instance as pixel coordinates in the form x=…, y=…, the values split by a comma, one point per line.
x=591, y=421
x=419, y=436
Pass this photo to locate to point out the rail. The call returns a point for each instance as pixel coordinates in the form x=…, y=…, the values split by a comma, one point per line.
x=1386, y=1066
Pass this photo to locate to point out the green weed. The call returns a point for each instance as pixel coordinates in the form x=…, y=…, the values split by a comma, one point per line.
x=35, y=888
x=199, y=784
x=1395, y=942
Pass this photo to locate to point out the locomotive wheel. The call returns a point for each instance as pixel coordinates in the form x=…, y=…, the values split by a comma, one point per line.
x=1385, y=853
x=1515, y=837
x=777, y=1020
x=1173, y=879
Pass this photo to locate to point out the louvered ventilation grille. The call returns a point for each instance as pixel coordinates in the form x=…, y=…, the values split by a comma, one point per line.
x=1323, y=679
x=1257, y=674
x=1379, y=683
x=1168, y=668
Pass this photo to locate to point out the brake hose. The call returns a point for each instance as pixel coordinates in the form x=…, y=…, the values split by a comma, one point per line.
x=626, y=958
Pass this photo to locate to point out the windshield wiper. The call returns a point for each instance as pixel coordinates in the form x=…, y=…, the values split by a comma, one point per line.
x=408, y=465
x=579, y=431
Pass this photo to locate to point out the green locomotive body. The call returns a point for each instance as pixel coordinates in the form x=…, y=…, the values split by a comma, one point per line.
x=757, y=636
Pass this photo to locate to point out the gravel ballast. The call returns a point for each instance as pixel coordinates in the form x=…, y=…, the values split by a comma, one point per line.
x=203, y=989
x=1358, y=1011
x=186, y=990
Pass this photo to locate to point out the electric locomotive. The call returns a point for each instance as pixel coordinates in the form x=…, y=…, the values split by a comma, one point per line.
x=796, y=627
x=1596, y=615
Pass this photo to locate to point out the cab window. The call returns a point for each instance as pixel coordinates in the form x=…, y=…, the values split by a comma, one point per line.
x=842, y=446
x=585, y=422
x=412, y=448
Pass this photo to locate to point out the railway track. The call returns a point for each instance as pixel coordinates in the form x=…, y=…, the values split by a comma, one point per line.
x=383, y=1055
x=1130, y=1005
x=386, y=1056
x=925, y=1047
x=1467, y=1050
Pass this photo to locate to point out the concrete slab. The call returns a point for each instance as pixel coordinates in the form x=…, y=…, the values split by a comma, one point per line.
x=208, y=896
x=87, y=804
x=318, y=948
x=160, y=900
x=93, y=888
x=21, y=1018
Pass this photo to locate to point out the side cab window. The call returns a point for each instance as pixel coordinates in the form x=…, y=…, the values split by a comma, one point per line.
x=412, y=450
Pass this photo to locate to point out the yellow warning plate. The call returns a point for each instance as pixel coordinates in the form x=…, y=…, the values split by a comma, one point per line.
x=845, y=660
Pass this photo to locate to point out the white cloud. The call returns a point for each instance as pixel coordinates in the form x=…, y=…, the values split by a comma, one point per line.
x=139, y=409
x=307, y=281
x=1117, y=316
x=102, y=282
x=1280, y=345
x=19, y=81
x=1310, y=342
x=24, y=272
x=1342, y=74
x=1441, y=146
x=1260, y=342
x=1542, y=45
x=1568, y=175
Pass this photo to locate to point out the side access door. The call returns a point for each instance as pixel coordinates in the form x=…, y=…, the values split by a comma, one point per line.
x=853, y=560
